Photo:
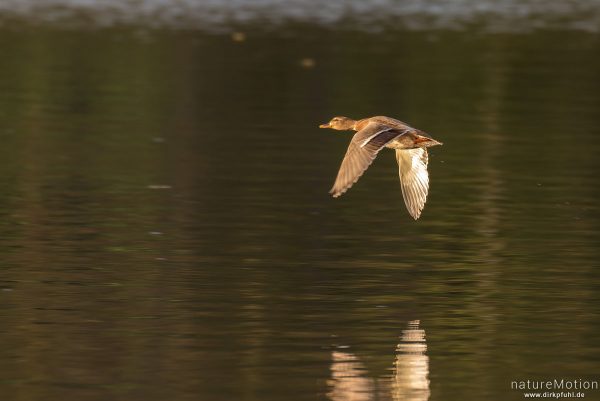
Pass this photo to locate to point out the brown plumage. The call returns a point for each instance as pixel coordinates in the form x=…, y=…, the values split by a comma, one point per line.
x=375, y=133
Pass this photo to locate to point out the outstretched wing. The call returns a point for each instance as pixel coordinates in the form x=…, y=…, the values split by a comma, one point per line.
x=414, y=178
x=363, y=149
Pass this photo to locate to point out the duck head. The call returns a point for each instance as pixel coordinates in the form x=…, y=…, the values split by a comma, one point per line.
x=339, y=123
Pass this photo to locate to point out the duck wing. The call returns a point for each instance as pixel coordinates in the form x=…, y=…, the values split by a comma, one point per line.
x=414, y=178
x=363, y=148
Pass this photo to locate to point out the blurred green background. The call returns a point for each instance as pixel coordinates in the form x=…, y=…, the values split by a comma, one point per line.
x=166, y=229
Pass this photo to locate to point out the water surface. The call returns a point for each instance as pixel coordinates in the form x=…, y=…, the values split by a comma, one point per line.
x=166, y=230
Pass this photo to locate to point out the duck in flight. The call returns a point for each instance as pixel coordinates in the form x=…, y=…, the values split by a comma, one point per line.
x=375, y=133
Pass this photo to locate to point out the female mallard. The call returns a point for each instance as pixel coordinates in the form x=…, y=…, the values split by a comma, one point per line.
x=374, y=134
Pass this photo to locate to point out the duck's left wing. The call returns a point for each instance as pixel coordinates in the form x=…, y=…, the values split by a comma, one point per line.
x=414, y=178
x=363, y=148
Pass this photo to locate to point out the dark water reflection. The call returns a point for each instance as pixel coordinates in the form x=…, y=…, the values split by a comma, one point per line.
x=167, y=234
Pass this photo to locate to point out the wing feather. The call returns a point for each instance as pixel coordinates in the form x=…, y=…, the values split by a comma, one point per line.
x=414, y=178
x=363, y=148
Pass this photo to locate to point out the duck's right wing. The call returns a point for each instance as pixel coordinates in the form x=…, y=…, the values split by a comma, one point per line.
x=363, y=148
x=414, y=178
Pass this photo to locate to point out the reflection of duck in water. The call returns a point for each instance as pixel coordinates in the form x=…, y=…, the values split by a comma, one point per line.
x=348, y=380
x=375, y=133
x=409, y=380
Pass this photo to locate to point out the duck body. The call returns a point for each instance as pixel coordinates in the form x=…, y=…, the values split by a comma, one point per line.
x=374, y=134
x=411, y=138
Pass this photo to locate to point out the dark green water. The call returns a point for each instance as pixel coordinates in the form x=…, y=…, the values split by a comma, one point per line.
x=166, y=231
